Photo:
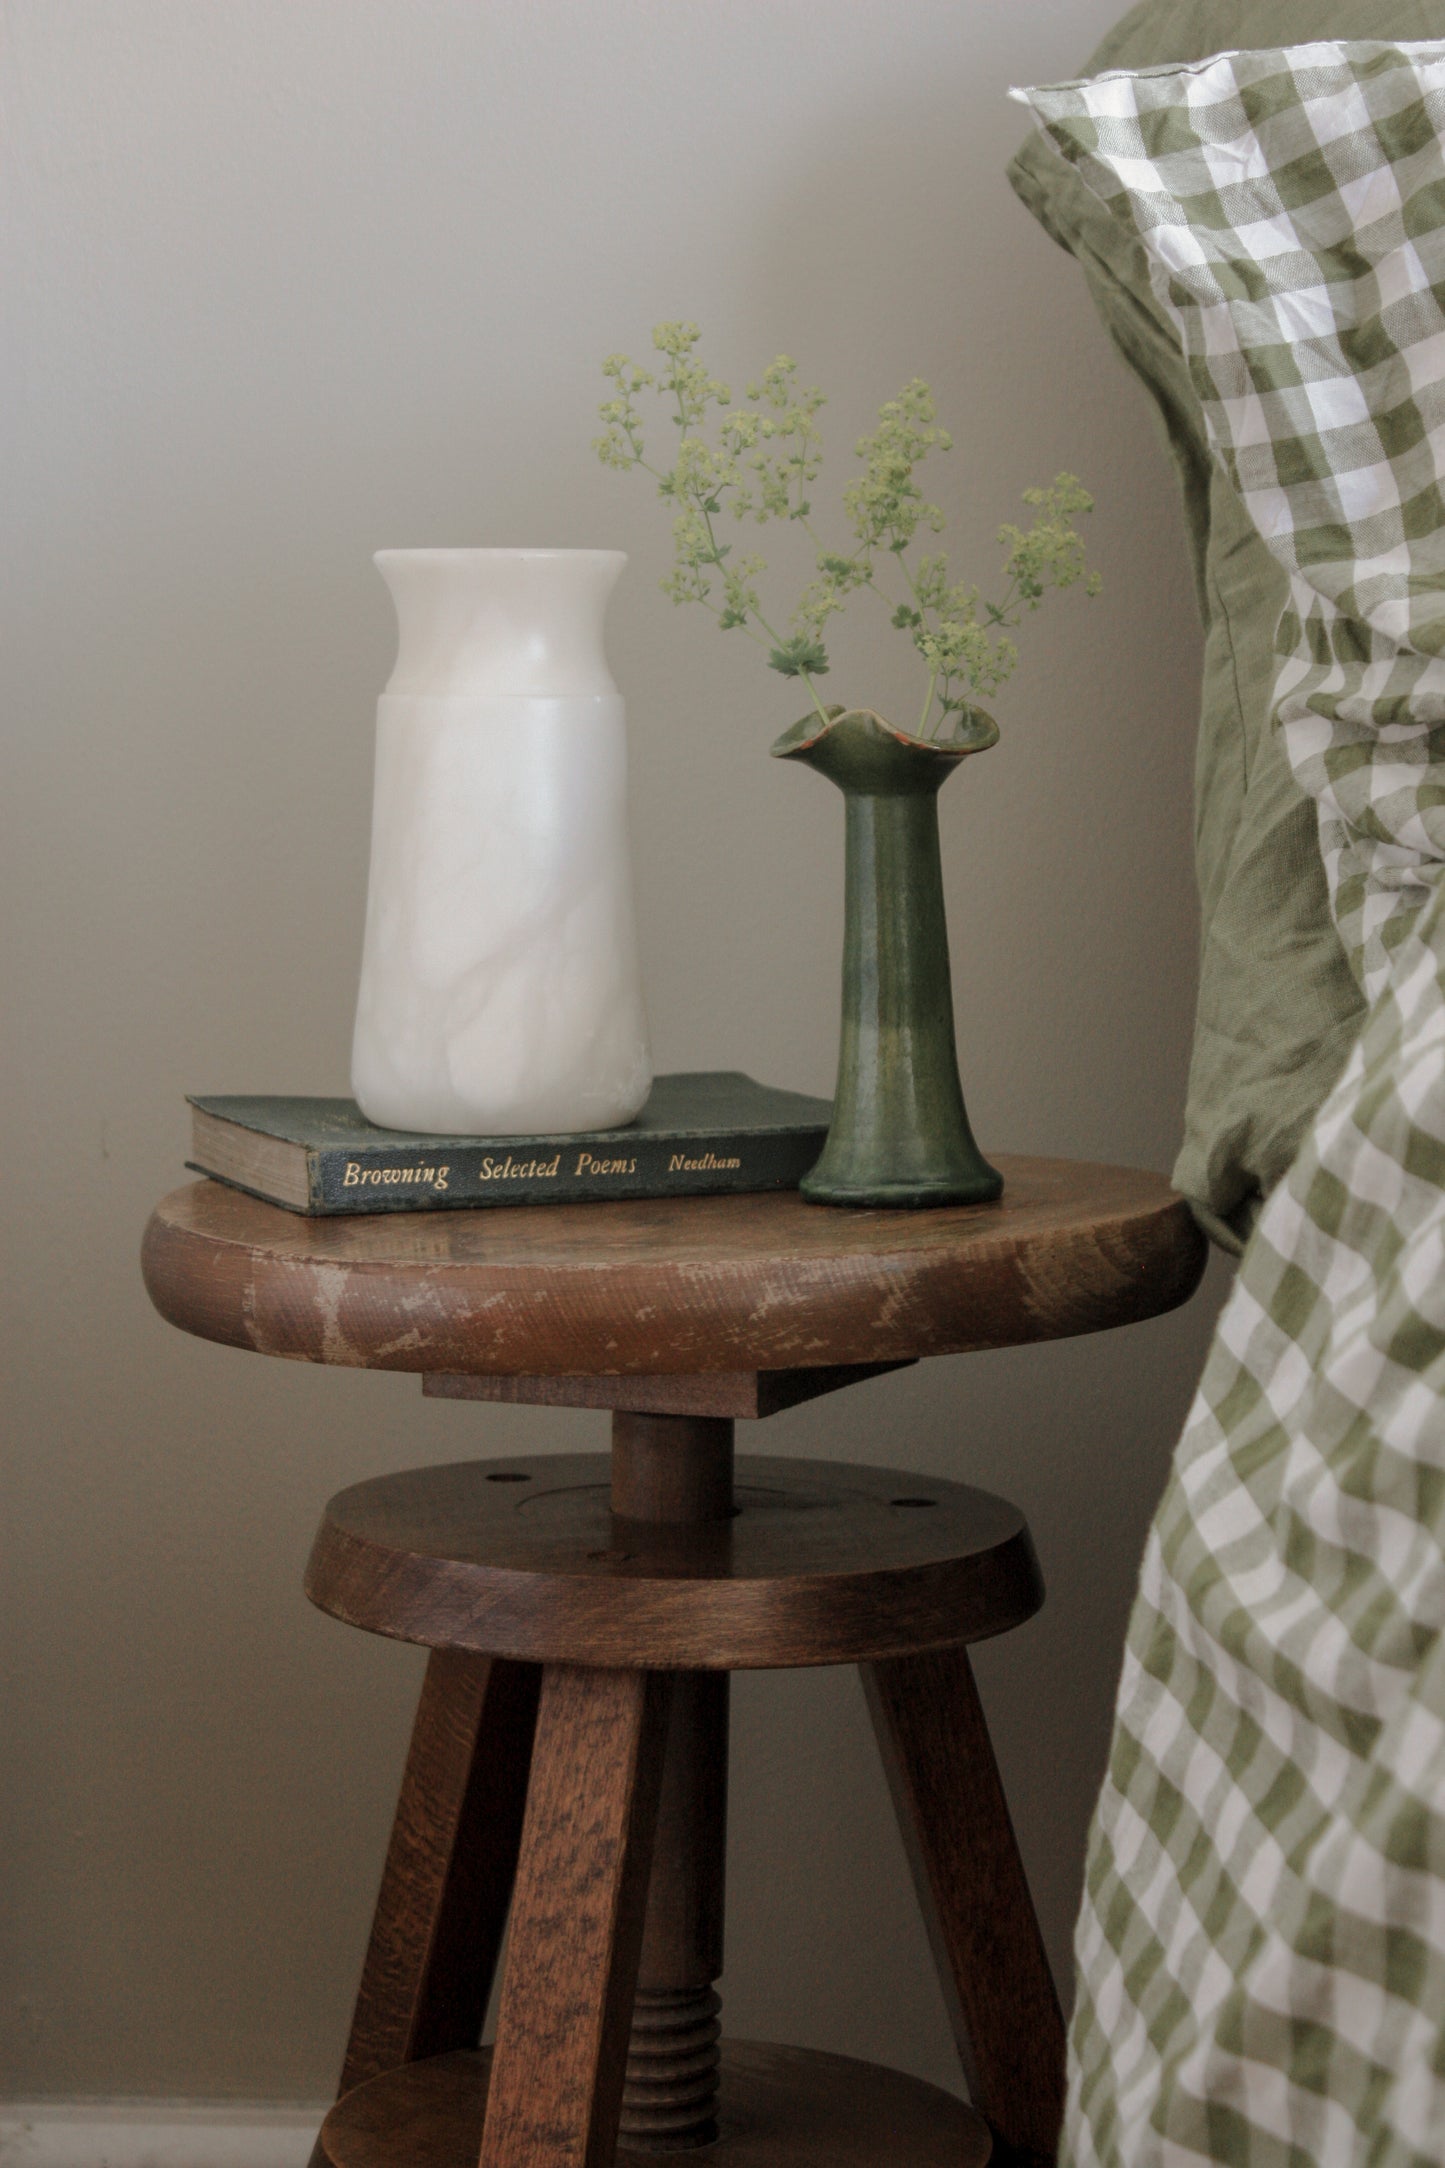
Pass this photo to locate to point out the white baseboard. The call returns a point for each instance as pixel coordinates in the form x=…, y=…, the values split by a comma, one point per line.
x=154, y=2134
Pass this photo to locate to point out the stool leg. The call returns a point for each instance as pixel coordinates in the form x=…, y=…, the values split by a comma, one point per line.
x=577, y=1918
x=449, y=1868
x=971, y=1883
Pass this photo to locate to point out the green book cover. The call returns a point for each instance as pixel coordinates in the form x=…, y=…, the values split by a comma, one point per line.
x=701, y=1132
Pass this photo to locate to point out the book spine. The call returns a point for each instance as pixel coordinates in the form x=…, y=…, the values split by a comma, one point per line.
x=378, y=1181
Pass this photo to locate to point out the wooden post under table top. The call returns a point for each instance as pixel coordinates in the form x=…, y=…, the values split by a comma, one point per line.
x=670, y=1470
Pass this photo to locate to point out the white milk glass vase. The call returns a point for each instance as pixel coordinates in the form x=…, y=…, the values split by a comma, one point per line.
x=500, y=992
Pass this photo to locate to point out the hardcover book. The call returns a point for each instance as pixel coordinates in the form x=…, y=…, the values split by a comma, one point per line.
x=701, y=1132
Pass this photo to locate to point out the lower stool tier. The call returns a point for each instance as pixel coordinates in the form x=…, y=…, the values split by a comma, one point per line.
x=780, y=2108
x=816, y=1563
x=569, y=1766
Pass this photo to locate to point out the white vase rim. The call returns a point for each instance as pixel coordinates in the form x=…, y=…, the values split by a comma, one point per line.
x=601, y=556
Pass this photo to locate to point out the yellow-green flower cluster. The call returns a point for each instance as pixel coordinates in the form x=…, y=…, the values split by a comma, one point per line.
x=760, y=464
x=1050, y=554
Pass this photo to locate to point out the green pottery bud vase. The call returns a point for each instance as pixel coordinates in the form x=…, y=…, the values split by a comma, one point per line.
x=900, y=1134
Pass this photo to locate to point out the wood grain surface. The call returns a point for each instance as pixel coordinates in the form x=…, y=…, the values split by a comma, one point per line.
x=577, y=1919
x=781, y=2108
x=747, y=1394
x=822, y=1563
x=675, y=1285
x=447, y=1883
x=672, y=1470
x=975, y=1897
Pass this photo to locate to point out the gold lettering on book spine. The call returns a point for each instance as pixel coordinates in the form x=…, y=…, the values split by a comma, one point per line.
x=359, y=1177
x=518, y=1170
x=508, y=1169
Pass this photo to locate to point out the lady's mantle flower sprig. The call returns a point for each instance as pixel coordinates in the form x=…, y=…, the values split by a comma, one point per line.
x=761, y=465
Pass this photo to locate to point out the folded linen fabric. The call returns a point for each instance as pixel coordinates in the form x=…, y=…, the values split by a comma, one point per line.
x=1262, y=1945
x=1277, y=1008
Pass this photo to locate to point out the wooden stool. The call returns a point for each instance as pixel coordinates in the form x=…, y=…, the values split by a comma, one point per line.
x=568, y=1764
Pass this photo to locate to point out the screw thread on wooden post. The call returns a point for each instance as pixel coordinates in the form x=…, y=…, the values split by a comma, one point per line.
x=669, y=2099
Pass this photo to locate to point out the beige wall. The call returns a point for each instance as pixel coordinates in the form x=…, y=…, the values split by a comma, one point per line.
x=292, y=279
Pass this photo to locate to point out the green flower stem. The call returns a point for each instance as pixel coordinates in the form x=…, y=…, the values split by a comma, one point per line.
x=775, y=638
x=771, y=642
x=923, y=730
x=872, y=585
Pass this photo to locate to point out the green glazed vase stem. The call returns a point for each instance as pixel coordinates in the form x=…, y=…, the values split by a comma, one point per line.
x=900, y=1134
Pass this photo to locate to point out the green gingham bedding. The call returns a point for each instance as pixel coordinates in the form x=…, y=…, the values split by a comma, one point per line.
x=1262, y=1944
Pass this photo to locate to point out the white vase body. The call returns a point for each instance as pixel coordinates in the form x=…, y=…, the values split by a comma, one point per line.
x=500, y=992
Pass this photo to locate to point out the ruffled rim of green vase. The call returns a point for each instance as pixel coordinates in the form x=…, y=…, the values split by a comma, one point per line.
x=973, y=732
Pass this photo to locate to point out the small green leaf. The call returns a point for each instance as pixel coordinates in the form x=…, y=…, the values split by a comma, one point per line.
x=800, y=657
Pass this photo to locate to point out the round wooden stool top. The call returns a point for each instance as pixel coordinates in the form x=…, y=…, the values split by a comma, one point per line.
x=678, y=1285
x=816, y=1563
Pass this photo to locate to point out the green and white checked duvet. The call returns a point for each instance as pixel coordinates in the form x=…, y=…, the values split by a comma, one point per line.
x=1262, y=1944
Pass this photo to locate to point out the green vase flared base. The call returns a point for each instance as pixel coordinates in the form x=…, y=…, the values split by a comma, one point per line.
x=985, y=1187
